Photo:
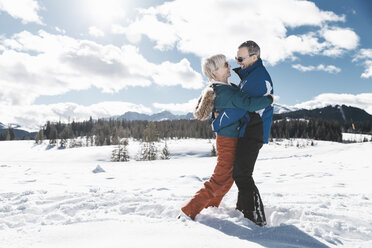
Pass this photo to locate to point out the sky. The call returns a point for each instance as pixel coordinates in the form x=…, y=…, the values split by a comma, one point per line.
x=69, y=60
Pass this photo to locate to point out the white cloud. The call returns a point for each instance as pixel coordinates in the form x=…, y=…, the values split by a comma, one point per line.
x=133, y=37
x=117, y=29
x=321, y=67
x=363, y=101
x=333, y=52
x=177, y=107
x=26, y=10
x=62, y=31
x=303, y=68
x=96, y=32
x=163, y=33
x=103, y=12
x=341, y=37
x=33, y=116
x=368, y=72
x=365, y=55
x=220, y=26
x=170, y=74
x=58, y=64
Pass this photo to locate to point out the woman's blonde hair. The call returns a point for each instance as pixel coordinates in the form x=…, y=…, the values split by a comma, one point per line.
x=212, y=64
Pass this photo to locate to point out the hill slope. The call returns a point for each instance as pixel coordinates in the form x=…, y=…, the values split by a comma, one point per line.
x=338, y=113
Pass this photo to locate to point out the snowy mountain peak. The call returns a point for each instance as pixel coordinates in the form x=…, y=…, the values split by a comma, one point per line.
x=164, y=115
x=11, y=125
x=279, y=109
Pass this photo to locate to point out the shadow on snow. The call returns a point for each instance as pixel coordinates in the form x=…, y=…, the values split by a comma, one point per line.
x=283, y=236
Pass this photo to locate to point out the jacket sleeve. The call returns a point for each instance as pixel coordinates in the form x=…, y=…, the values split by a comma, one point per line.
x=250, y=103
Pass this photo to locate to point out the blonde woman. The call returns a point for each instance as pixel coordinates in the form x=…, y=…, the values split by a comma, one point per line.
x=217, y=70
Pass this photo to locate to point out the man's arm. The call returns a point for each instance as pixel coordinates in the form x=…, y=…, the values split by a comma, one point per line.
x=250, y=103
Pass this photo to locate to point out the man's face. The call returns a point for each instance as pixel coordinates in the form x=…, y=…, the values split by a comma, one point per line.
x=247, y=60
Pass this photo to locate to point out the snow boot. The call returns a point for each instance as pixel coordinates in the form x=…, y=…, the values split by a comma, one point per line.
x=252, y=207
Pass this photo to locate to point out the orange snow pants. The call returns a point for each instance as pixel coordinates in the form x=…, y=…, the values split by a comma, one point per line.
x=219, y=183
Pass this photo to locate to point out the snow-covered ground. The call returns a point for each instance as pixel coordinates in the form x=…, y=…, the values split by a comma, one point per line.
x=355, y=137
x=314, y=196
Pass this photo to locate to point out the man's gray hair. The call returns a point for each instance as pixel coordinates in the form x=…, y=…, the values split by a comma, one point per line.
x=212, y=64
x=252, y=47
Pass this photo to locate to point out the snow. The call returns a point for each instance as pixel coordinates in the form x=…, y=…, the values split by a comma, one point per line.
x=314, y=196
x=98, y=169
x=355, y=137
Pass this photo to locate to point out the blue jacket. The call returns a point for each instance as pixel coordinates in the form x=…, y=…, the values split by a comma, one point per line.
x=230, y=97
x=255, y=81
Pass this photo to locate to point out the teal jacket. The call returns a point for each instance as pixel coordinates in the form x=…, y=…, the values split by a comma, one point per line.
x=228, y=96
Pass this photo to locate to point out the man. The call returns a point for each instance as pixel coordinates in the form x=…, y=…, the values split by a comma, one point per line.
x=254, y=129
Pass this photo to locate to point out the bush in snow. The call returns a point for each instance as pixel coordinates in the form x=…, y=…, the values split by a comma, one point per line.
x=120, y=153
x=148, y=151
x=76, y=143
x=165, y=152
x=63, y=143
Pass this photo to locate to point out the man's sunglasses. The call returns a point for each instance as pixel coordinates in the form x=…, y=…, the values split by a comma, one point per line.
x=241, y=59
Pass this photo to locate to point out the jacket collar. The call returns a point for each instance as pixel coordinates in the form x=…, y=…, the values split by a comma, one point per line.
x=242, y=73
x=218, y=82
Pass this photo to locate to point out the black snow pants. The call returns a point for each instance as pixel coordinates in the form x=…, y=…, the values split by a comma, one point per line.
x=249, y=199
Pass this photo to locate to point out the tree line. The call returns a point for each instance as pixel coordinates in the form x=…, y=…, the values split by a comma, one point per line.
x=108, y=132
x=317, y=129
x=7, y=134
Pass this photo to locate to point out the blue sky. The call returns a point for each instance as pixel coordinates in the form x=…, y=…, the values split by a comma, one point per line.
x=64, y=60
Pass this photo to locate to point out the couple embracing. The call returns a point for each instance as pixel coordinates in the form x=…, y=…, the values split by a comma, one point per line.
x=242, y=120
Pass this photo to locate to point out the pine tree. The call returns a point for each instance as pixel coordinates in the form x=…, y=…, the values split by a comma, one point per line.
x=115, y=155
x=7, y=136
x=87, y=140
x=64, y=135
x=39, y=137
x=115, y=140
x=120, y=153
x=165, y=152
x=11, y=133
x=150, y=134
x=148, y=151
x=213, y=151
x=53, y=135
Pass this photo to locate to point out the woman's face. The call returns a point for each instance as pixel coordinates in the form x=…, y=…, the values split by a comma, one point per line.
x=222, y=73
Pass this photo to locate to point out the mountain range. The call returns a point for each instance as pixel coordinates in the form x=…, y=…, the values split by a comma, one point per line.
x=340, y=113
x=165, y=115
x=18, y=132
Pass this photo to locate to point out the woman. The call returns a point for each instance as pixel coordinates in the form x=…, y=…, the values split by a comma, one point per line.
x=217, y=70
